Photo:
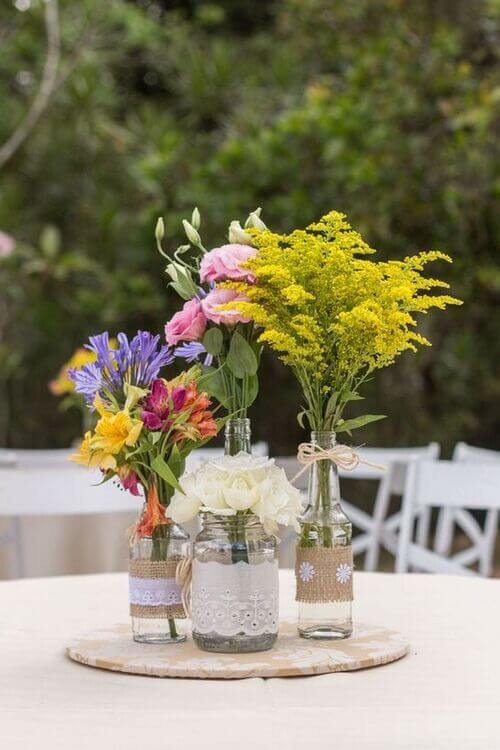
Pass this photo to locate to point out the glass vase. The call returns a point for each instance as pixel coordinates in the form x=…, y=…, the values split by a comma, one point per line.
x=156, y=605
x=324, y=564
x=235, y=585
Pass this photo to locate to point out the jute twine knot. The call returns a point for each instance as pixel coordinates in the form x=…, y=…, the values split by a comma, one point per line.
x=183, y=576
x=342, y=455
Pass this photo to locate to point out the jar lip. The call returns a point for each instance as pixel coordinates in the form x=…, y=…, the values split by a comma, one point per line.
x=213, y=519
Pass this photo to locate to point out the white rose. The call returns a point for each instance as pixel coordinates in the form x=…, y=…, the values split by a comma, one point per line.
x=241, y=493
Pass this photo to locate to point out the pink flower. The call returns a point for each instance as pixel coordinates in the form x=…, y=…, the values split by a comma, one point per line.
x=218, y=297
x=7, y=244
x=187, y=325
x=226, y=262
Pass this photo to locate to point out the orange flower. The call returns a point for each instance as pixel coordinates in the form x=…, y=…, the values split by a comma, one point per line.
x=153, y=516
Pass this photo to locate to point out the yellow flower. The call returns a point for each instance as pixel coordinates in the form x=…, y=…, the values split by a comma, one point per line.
x=92, y=458
x=114, y=431
x=333, y=314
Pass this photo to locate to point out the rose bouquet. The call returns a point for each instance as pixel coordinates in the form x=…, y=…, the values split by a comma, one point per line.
x=210, y=328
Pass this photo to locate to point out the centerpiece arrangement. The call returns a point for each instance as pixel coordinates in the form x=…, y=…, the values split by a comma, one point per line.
x=146, y=427
x=241, y=498
x=335, y=317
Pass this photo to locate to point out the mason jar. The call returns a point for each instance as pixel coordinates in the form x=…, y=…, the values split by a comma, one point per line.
x=234, y=585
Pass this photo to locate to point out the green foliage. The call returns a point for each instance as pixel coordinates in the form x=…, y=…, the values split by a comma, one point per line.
x=382, y=109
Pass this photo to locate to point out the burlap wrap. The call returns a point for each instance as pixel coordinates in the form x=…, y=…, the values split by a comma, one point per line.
x=156, y=569
x=324, y=574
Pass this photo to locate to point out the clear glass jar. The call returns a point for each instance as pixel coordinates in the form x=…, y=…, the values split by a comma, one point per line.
x=235, y=588
x=156, y=607
x=324, y=564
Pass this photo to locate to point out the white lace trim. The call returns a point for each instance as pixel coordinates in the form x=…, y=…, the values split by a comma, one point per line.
x=235, y=598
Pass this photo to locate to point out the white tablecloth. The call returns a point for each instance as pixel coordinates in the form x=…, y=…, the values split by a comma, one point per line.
x=444, y=695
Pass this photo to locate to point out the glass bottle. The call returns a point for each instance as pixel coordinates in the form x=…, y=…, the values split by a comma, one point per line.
x=156, y=606
x=238, y=437
x=324, y=554
x=235, y=587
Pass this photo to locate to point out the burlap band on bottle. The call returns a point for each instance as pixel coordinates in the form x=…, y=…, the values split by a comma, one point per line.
x=154, y=592
x=324, y=574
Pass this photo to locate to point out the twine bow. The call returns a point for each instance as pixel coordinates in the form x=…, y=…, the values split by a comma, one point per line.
x=342, y=455
x=183, y=576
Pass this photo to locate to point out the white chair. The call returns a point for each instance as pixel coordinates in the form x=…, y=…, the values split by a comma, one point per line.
x=377, y=529
x=485, y=538
x=445, y=484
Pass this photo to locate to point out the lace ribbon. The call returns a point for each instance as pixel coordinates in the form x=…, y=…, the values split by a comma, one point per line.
x=342, y=455
x=183, y=576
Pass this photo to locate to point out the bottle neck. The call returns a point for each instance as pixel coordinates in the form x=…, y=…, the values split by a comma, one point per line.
x=237, y=437
x=324, y=490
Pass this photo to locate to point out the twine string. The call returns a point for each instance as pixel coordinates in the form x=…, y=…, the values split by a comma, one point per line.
x=183, y=576
x=343, y=456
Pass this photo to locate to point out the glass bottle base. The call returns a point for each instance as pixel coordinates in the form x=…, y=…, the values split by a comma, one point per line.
x=325, y=632
x=234, y=644
x=156, y=631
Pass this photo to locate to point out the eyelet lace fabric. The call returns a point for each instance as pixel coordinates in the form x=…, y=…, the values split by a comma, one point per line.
x=235, y=598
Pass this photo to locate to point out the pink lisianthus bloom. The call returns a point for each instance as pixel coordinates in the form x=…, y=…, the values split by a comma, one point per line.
x=162, y=404
x=187, y=325
x=227, y=263
x=218, y=297
x=7, y=244
x=129, y=480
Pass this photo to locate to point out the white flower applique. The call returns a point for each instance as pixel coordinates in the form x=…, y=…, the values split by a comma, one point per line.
x=343, y=573
x=306, y=572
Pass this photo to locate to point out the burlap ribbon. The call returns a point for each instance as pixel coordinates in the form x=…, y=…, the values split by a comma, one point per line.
x=324, y=574
x=176, y=569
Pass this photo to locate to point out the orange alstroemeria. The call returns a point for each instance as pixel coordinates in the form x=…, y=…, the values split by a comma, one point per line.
x=154, y=514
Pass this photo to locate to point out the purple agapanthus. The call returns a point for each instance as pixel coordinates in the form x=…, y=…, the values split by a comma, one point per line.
x=137, y=362
x=194, y=352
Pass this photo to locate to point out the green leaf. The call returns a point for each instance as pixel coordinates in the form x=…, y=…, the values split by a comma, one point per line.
x=163, y=470
x=176, y=462
x=300, y=418
x=212, y=341
x=241, y=358
x=350, y=396
x=252, y=390
x=212, y=381
x=353, y=424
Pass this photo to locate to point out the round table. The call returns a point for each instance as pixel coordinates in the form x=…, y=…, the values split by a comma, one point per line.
x=444, y=694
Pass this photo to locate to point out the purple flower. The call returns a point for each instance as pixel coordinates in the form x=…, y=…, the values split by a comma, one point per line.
x=137, y=362
x=193, y=352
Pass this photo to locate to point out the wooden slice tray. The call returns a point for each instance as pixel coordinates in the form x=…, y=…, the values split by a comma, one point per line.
x=114, y=649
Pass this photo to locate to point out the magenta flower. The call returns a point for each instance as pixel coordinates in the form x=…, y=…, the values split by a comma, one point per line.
x=161, y=404
x=227, y=263
x=187, y=325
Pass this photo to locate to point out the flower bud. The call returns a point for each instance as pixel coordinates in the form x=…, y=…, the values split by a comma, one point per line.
x=195, y=218
x=238, y=235
x=160, y=230
x=254, y=220
x=191, y=233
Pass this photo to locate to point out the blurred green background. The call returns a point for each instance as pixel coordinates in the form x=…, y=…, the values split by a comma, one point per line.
x=384, y=109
